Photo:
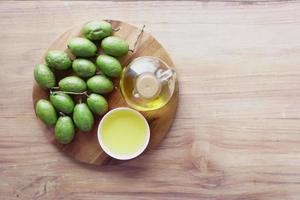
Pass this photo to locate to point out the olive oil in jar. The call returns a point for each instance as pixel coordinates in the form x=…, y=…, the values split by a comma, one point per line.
x=147, y=83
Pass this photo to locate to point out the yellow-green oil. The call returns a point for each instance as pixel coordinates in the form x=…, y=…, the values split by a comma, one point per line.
x=128, y=85
x=124, y=132
x=140, y=103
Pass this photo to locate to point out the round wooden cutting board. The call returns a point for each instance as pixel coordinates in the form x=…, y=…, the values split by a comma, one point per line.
x=85, y=147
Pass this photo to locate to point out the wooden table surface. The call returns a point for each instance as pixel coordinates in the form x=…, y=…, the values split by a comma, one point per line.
x=237, y=130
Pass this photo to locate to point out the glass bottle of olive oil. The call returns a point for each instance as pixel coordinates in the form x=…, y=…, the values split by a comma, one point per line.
x=147, y=83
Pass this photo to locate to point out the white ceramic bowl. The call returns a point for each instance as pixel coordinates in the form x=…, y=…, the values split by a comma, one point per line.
x=111, y=153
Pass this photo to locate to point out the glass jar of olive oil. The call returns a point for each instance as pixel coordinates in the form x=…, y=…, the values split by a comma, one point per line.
x=147, y=83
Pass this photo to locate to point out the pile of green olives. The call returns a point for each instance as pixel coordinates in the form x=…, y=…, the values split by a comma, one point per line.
x=86, y=78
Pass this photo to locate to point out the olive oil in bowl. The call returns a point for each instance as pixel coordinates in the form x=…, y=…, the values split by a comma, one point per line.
x=123, y=133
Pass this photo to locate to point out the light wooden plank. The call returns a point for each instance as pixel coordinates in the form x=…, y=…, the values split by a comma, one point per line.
x=236, y=133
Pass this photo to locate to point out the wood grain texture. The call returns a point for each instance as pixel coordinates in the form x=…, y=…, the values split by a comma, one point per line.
x=85, y=146
x=236, y=134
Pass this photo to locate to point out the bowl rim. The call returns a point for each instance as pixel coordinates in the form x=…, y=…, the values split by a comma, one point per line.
x=107, y=150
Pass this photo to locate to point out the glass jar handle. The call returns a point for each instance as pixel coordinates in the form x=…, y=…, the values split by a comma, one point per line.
x=165, y=75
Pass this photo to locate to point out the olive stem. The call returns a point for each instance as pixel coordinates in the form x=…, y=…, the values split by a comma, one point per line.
x=54, y=88
x=62, y=114
x=116, y=29
x=75, y=93
x=80, y=100
x=137, y=39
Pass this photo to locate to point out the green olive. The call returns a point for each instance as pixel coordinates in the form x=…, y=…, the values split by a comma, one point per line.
x=97, y=104
x=115, y=46
x=64, y=130
x=100, y=84
x=62, y=102
x=83, y=117
x=83, y=67
x=72, y=84
x=44, y=76
x=58, y=60
x=97, y=30
x=109, y=65
x=46, y=112
x=82, y=47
